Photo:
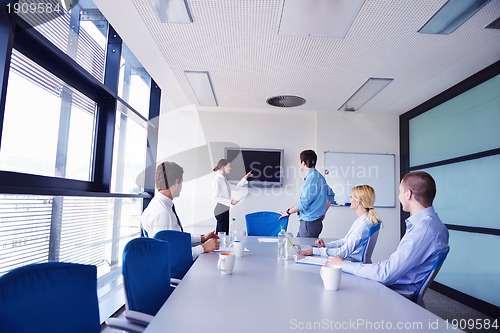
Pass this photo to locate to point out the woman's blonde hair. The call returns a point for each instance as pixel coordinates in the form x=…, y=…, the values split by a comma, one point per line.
x=365, y=194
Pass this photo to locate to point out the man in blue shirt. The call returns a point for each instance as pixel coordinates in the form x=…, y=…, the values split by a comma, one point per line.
x=425, y=239
x=315, y=199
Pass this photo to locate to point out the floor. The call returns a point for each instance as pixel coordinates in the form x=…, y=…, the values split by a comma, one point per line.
x=456, y=313
x=442, y=306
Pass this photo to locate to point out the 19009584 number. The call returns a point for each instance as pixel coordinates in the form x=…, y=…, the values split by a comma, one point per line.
x=477, y=324
x=34, y=8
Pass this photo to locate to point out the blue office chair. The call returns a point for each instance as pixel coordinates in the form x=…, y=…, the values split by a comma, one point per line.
x=146, y=280
x=265, y=223
x=181, y=257
x=370, y=245
x=51, y=297
x=418, y=296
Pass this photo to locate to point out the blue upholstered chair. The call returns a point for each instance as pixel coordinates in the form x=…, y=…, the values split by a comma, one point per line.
x=51, y=297
x=418, y=296
x=265, y=223
x=181, y=257
x=370, y=245
x=146, y=274
x=146, y=280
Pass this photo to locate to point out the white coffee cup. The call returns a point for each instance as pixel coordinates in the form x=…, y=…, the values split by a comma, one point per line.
x=330, y=275
x=238, y=248
x=226, y=262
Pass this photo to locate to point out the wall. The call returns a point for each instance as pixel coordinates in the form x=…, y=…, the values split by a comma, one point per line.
x=361, y=133
x=465, y=168
x=184, y=134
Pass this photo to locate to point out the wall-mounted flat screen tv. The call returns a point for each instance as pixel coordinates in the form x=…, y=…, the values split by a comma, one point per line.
x=265, y=164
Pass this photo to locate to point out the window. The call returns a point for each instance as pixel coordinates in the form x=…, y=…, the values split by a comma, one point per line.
x=129, y=158
x=80, y=33
x=134, y=82
x=72, y=155
x=73, y=229
x=48, y=126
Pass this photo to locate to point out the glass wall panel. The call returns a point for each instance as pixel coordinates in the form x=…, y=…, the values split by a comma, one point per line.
x=48, y=126
x=472, y=266
x=467, y=192
x=134, y=83
x=466, y=124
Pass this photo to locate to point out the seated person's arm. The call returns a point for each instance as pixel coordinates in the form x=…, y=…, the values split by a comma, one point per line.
x=343, y=247
x=410, y=252
x=320, y=250
x=208, y=246
x=319, y=242
x=211, y=234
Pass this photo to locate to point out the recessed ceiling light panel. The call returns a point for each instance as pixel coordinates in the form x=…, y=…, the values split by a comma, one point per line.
x=172, y=11
x=202, y=87
x=452, y=15
x=366, y=92
x=318, y=18
x=494, y=25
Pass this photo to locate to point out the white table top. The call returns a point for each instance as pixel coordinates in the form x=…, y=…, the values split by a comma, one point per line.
x=266, y=295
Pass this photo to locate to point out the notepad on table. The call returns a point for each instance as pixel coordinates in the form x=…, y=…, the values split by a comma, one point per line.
x=312, y=260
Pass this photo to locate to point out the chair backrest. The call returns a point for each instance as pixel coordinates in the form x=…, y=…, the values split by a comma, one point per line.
x=181, y=255
x=52, y=297
x=265, y=223
x=372, y=241
x=418, y=296
x=146, y=274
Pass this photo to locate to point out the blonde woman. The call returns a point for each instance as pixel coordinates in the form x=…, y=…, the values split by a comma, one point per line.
x=351, y=246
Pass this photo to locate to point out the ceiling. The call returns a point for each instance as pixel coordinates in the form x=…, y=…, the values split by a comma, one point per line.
x=237, y=42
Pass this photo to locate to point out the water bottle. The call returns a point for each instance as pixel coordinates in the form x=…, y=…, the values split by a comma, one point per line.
x=233, y=230
x=289, y=252
x=281, y=244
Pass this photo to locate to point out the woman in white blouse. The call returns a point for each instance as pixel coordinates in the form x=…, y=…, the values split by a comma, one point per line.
x=351, y=246
x=222, y=194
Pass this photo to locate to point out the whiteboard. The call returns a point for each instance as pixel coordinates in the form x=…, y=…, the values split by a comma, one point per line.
x=343, y=171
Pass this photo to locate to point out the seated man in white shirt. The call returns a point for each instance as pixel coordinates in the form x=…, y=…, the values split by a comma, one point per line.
x=161, y=215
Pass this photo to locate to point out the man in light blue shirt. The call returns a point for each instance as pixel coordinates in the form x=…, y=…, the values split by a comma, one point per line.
x=315, y=199
x=425, y=239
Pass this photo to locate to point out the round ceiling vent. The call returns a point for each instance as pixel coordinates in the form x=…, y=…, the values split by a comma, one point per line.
x=286, y=101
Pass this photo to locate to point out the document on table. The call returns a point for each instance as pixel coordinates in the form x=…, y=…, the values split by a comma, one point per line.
x=268, y=240
x=227, y=248
x=311, y=260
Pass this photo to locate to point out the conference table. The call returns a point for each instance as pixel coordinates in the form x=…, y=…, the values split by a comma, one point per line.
x=266, y=295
